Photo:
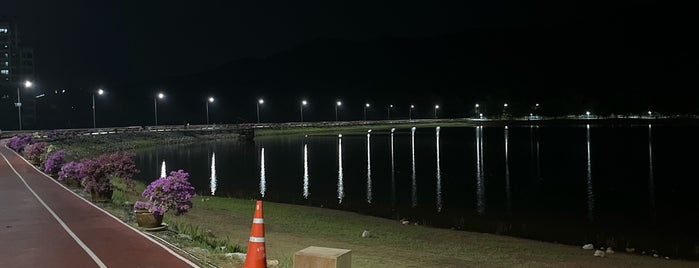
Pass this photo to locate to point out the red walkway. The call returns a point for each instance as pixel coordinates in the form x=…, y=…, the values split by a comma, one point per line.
x=43, y=224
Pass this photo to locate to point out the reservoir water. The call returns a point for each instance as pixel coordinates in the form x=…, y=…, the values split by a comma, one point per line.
x=625, y=186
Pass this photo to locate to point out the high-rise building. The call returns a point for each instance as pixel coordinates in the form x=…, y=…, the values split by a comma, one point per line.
x=16, y=66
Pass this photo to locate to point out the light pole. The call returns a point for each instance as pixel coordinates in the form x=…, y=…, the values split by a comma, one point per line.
x=478, y=106
x=365, y=107
x=389, y=111
x=410, y=112
x=27, y=84
x=504, y=110
x=339, y=103
x=260, y=101
x=94, y=122
x=435, y=111
x=155, y=104
x=210, y=100
x=303, y=103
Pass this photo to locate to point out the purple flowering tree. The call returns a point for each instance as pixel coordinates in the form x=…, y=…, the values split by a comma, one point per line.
x=17, y=142
x=97, y=173
x=173, y=192
x=71, y=172
x=34, y=151
x=55, y=161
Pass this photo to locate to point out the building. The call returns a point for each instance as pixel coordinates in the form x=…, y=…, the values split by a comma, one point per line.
x=16, y=66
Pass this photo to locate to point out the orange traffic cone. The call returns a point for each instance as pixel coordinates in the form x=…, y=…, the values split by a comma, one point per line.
x=256, y=256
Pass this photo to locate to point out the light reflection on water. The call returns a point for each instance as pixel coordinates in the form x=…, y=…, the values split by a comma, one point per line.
x=651, y=180
x=393, y=172
x=368, y=167
x=305, y=171
x=439, y=173
x=213, y=183
x=263, y=180
x=163, y=172
x=480, y=172
x=508, y=192
x=340, y=183
x=413, y=176
x=590, y=193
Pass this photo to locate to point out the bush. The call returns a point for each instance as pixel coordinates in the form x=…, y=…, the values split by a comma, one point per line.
x=55, y=161
x=97, y=173
x=34, y=151
x=173, y=192
x=71, y=171
x=17, y=142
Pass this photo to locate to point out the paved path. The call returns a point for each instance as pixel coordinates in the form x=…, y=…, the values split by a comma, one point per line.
x=43, y=224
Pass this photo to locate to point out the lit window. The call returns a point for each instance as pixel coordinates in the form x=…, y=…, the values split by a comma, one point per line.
x=4, y=71
x=3, y=30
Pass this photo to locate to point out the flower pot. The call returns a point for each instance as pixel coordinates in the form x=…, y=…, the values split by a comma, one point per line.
x=146, y=219
x=102, y=196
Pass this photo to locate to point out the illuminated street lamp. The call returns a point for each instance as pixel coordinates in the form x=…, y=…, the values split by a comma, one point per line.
x=365, y=107
x=478, y=106
x=338, y=104
x=27, y=84
x=210, y=100
x=155, y=104
x=504, y=110
x=410, y=112
x=260, y=101
x=99, y=92
x=435, y=111
x=303, y=103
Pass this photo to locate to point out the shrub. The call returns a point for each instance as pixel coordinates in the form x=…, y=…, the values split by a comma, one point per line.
x=54, y=162
x=97, y=173
x=34, y=151
x=173, y=192
x=71, y=171
x=17, y=142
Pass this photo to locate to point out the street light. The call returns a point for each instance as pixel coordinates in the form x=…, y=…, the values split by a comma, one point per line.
x=155, y=104
x=211, y=100
x=478, y=106
x=27, y=84
x=260, y=101
x=410, y=112
x=303, y=103
x=504, y=110
x=99, y=92
x=435, y=111
x=365, y=107
x=339, y=103
x=389, y=111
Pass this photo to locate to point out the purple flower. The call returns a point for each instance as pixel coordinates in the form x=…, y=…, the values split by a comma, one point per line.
x=97, y=173
x=55, y=161
x=71, y=171
x=34, y=151
x=170, y=193
x=17, y=142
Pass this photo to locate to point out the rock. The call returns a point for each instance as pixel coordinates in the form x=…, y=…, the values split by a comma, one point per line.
x=272, y=262
x=416, y=224
x=185, y=236
x=589, y=246
x=610, y=250
x=366, y=234
x=209, y=233
x=237, y=255
x=222, y=248
x=599, y=253
x=630, y=250
x=404, y=222
x=200, y=250
x=667, y=258
x=655, y=255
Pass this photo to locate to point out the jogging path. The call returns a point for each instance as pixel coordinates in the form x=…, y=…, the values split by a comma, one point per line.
x=43, y=224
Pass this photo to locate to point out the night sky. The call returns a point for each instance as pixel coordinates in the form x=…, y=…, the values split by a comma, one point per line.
x=567, y=55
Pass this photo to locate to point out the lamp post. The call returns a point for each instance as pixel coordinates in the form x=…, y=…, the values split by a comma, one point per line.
x=365, y=107
x=94, y=121
x=410, y=112
x=339, y=103
x=504, y=110
x=155, y=104
x=389, y=111
x=210, y=100
x=303, y=103
x=27, y=84
x=260, y=101
x=435, y=111
x=478, y=106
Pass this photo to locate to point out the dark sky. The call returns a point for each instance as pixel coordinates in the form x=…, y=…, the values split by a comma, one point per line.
x=94, y=42
x=579, y=54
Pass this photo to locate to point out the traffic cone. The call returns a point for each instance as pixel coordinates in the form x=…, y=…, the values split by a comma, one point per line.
x=256, y=256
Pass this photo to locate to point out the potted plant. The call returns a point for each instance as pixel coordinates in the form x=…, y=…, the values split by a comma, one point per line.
x=171, y=193
x=98, y=174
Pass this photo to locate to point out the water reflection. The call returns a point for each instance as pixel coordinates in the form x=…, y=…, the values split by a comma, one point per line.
x=263, y=180
x=651, y=180
x=412, y=150
x=480, y=172
x=163, y=173
x=340, y=183
x=590, y=193
x=534, y=150
x=507, y=172
x=305, y=171
x=368, y=166
x=439, y=175
x=393, y=172
x=212, y=183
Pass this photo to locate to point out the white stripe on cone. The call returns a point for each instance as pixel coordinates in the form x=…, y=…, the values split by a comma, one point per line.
x=258, y=220
x=257, y=239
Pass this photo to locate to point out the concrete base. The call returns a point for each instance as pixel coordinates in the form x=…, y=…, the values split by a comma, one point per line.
x=320, y=257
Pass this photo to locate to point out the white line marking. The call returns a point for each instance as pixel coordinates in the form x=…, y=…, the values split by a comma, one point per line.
x=63, y=224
